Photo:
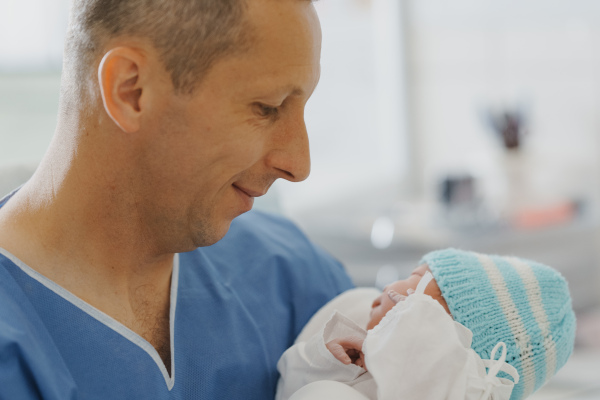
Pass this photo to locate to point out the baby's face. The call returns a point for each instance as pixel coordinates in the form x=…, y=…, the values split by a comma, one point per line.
x=383, y=303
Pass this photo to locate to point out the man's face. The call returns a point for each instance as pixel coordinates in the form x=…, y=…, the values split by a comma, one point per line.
x=383, y=303
x=243, y=128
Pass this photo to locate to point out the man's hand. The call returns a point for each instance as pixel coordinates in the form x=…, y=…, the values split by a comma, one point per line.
x=348, y=350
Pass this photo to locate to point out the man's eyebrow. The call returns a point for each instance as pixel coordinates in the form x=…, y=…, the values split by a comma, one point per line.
x=289, y=91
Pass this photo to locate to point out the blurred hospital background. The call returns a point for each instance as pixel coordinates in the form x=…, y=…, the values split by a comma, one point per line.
x=465, y=123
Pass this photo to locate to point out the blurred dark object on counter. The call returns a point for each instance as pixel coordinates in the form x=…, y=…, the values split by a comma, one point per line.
x=509, y=125
x=457, y=190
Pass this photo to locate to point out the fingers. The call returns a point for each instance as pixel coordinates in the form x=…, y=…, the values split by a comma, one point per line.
x=360, y=361
x=351, y=342
x=395, y=296
x=347, y=349
x=338, y=351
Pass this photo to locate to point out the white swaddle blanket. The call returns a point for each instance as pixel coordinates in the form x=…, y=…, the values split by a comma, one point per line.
x=416, y=352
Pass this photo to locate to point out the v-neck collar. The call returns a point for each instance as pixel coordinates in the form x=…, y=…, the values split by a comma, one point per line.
x=109, y=321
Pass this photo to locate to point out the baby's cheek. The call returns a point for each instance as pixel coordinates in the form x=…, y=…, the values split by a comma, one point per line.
x=375, y=318
x=386, y=306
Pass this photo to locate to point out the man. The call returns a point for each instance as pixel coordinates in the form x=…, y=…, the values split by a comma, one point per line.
x=174, y=115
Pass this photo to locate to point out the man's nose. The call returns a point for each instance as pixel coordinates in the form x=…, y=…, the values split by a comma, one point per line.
x=290, y=154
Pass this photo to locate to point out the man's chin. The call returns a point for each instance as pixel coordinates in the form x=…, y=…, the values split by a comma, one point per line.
x=208, y=236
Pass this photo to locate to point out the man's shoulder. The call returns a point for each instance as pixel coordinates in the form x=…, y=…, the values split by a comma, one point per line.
x=29, y=359
x=271, y=239
x=266, y=227
x=18, y=318
x=269, y=262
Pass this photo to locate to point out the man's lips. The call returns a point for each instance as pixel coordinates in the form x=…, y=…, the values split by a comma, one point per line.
x=249, y=192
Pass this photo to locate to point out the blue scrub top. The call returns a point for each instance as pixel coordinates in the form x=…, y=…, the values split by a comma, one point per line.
x=235, y=307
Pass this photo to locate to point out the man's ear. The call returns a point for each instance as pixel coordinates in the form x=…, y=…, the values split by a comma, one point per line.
x=119, y=75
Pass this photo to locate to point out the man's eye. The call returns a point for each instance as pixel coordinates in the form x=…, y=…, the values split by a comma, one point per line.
x=266, y=111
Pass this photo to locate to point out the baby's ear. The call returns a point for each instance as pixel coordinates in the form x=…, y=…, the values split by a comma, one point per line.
x=440, y=299
x=435, y=292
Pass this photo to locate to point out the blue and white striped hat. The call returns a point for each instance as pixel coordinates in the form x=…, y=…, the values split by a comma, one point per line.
x=522, y=303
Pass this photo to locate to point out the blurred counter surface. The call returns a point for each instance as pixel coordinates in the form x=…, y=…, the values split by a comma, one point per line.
x=382, y=244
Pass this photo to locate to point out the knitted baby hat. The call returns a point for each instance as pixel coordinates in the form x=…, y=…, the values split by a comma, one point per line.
x=522, y=303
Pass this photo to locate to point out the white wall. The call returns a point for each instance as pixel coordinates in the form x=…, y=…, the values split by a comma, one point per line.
x=356, y=117
x=32, y=34
x=28, y=110
x=470, y=54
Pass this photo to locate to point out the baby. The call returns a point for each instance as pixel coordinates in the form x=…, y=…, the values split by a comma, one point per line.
x=437, y=333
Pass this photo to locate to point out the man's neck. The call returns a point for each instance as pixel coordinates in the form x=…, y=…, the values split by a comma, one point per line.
x=88, y=241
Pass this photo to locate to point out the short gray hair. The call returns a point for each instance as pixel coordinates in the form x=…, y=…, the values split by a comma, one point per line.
x=189, y=35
